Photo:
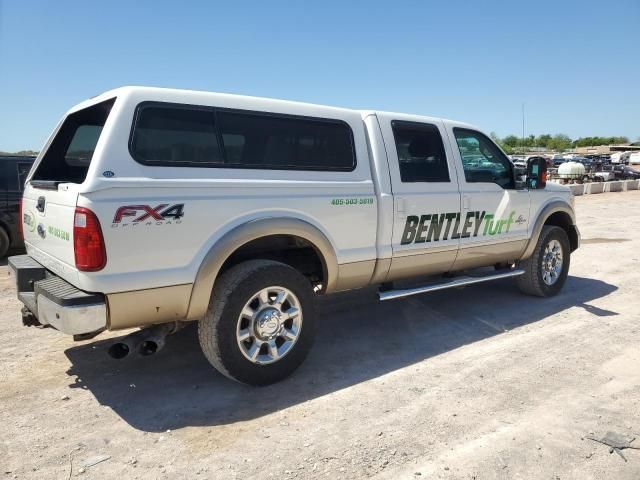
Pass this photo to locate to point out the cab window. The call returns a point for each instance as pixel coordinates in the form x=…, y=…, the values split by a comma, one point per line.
x=420, y=152
x=482, y=160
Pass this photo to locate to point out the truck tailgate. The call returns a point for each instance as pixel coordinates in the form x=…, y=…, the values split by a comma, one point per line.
x=47, y=222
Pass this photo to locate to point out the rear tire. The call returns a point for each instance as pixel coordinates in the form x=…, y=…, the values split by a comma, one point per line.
x=260, y=323
x=547, y=268
x=4, y=242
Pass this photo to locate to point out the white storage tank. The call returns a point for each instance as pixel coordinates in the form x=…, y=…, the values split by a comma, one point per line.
x=571, y=171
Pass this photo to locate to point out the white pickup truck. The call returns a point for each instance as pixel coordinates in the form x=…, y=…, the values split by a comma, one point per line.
x=154, y=207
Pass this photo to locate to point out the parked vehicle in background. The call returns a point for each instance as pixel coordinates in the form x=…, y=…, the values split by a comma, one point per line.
x=634, y=158
x=606, y=173
x=615, y=157
x=558, y=160
x=621, y=157
x=520, y=165
x=13, y=173
x=628, y=173
x=154, y=207
x=598, y=159
x=615, y=172
x=582, y=160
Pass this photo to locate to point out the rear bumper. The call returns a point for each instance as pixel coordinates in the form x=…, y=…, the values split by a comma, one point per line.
x=55, y=302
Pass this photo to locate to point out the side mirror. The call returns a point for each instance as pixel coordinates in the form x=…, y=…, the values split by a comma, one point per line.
x=536, y=173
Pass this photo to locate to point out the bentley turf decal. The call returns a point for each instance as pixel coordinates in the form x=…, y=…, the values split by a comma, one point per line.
x=436, y=227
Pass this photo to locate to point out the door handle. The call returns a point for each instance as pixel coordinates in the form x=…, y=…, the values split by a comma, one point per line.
x=400, y=204
x=466, y=202
x=40, y=204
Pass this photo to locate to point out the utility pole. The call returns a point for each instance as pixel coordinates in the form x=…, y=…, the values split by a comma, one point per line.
x=523, y=127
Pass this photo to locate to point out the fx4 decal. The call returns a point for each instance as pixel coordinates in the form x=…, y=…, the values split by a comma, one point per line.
x=148, y=215
x=428, y=228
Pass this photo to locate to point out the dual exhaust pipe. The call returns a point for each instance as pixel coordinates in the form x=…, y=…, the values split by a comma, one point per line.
x=144, y=342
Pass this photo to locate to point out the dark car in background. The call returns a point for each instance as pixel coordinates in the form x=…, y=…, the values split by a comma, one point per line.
x=627, y=173
x=13, y=173
x=591, y=163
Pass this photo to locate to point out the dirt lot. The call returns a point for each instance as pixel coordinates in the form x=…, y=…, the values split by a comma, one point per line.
x=480, y=382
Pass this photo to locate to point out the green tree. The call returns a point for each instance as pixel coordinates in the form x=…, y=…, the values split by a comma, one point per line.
x=511, y=141
x=543, y=140
x=560, y=142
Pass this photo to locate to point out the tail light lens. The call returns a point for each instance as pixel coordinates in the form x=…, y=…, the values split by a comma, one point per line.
x=88, y=242
x=20, y=220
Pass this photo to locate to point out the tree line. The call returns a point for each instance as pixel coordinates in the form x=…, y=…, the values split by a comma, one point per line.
x=21, y=153
x=558, y=142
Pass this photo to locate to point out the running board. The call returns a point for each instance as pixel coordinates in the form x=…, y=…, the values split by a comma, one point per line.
x=458, y=282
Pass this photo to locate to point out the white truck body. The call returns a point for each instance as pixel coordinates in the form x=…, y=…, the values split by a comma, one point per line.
x=168, y=229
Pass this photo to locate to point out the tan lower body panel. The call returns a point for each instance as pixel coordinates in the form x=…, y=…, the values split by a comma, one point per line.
x=409, y=266
x=145, y=307
x=354, y=275
x=484, y=255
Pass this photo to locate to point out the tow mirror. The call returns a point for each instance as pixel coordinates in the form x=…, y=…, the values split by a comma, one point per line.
x=536, y=173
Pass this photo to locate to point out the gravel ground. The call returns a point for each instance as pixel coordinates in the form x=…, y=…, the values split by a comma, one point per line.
x=474, y=383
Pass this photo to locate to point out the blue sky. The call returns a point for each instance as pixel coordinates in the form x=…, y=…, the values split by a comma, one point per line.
x=573, y=63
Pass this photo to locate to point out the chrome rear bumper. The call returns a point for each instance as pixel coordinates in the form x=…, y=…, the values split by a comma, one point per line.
x=55, y=302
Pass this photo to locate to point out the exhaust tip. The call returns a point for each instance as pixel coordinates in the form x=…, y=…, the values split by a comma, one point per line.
x=118, y=350
x=148, y=347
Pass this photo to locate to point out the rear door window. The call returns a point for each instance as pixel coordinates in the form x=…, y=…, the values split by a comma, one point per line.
x=68, y=157
x=421, y=152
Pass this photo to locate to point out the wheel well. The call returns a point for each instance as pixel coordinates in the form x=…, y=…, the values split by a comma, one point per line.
x=294, y=251
x=563, y=220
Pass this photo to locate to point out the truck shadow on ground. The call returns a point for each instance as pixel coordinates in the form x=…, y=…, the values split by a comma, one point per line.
x=359, y=338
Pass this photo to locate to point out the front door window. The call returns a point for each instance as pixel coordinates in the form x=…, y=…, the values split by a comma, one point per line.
x=482, y=160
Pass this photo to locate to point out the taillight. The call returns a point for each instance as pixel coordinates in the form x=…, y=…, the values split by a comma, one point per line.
x=20, y=220
x=88, y=242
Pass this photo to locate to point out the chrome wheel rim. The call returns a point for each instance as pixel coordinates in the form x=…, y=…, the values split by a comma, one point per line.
x=552, y=262
x=269, y=325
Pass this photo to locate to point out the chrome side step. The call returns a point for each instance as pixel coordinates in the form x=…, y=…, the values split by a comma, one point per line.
x=457, y=282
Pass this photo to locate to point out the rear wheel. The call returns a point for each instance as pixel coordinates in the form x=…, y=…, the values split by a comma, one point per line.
x=547, y=268
x=4, y=242
x=259, y=326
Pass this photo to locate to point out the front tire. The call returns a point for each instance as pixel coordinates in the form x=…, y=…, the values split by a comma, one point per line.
x=260, y=323
x=547, y=268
